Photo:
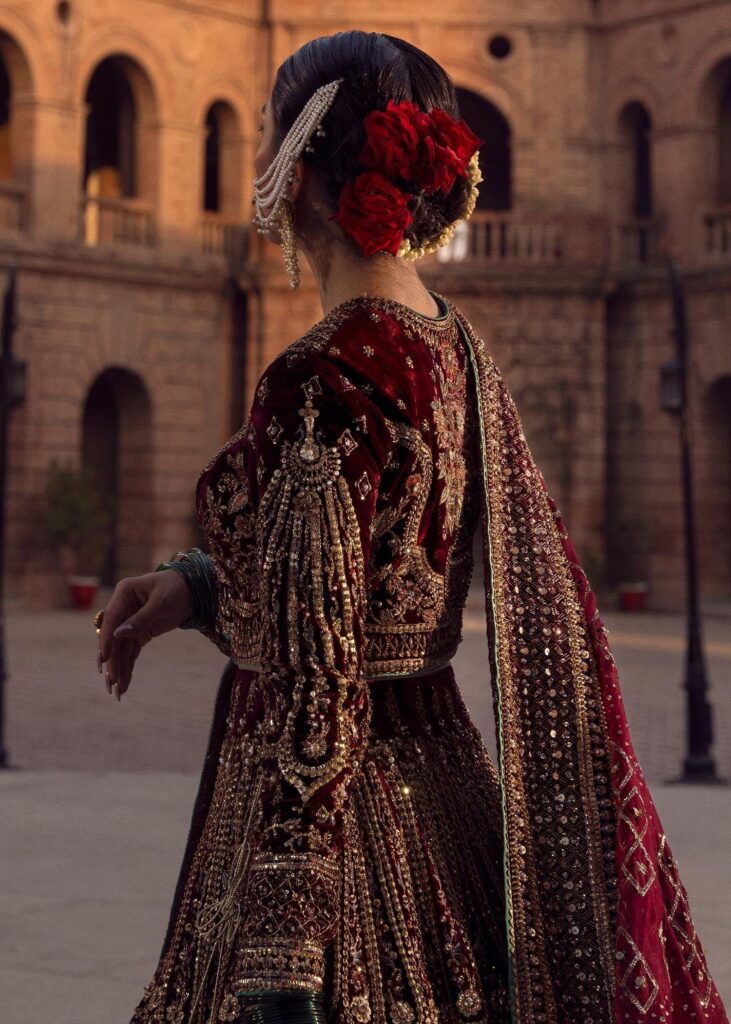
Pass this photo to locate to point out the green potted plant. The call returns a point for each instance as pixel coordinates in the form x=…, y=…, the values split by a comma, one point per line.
x=78, y=523
x=628, y=545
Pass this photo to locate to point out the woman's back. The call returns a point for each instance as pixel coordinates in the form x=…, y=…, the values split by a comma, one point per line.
x=391, y=393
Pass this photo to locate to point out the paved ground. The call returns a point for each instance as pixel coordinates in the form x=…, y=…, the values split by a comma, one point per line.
x=96, y=809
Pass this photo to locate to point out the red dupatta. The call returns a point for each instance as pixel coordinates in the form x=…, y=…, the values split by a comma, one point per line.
x=598, y=923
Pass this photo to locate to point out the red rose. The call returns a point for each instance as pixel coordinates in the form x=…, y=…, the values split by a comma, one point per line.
x=394, y=137
x=374, y=212
x=438, y=168
x=455, y=135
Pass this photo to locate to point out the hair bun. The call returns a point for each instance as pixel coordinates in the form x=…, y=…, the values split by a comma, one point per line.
x=376, y=68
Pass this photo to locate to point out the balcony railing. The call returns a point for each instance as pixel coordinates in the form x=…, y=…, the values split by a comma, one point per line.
x=225, y=237
x=112, y=221
x=12, y=206
x=718, y=233
x=505, y=238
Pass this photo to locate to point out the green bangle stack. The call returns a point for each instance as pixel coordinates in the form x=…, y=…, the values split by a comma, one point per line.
x=282, y=1007
x=196, y=568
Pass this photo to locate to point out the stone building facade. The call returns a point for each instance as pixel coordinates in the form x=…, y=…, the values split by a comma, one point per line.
x=146, y=308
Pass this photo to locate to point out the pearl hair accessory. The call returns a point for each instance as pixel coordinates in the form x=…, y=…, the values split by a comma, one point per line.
x=271, y=188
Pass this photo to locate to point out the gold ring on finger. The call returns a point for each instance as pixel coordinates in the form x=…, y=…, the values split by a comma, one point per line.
x=98, y=619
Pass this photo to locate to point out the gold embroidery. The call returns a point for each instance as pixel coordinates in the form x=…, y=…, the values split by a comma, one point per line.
x=682, y=924
x=347, y=442
x=274, y=430
x=309, y=537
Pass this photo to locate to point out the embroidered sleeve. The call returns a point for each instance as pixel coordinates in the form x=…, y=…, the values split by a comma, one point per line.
x=318, y=476
x=226, y=517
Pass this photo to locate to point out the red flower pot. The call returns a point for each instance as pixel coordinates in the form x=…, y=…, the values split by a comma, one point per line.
x=632, y=596
x=83, y=590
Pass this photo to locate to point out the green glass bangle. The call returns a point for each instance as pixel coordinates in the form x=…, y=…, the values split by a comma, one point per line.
x=282, y=1007
x=196, y=568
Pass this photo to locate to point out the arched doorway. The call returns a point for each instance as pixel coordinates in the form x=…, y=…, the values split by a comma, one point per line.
x=120, y=155
x=116, y=431
x=634, y=183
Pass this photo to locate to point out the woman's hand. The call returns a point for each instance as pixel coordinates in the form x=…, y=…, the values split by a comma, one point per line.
x=140, y=608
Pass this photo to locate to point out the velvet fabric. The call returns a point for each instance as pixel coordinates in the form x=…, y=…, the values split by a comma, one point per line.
x=351, y=835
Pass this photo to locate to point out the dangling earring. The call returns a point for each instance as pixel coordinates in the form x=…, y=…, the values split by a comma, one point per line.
x=289, y=244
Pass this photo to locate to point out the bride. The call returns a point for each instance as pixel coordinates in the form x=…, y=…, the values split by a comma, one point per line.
x=354, y=854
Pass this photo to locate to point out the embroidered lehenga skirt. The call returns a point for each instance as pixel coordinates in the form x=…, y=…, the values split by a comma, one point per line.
x=422, y=923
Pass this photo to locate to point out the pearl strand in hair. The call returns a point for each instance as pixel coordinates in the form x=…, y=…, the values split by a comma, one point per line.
x=272, y=187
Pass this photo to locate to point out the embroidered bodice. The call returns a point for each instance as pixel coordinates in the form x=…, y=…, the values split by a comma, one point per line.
x=389, y=393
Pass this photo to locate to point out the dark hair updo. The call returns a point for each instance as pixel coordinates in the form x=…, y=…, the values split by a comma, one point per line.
x=375, y=68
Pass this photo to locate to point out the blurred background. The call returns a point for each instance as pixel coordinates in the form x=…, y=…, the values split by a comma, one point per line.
x=141, y=306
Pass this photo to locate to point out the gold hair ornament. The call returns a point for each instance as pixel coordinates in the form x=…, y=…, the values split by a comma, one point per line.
x=475, y=175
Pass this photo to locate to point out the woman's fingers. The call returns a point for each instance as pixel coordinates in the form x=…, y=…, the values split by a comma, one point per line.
x=140, y=608
x=116, y=612
x=130, y=650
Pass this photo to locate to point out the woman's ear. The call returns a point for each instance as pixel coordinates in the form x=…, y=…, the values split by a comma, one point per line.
x=299, y=172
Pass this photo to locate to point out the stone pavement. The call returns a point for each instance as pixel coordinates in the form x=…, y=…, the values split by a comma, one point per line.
x=96, y=809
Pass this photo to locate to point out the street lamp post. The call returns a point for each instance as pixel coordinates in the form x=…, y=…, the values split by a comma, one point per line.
x=12, y=393
x=698, y=765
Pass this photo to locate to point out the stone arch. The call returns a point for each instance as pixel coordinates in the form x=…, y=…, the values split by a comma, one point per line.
x=121, y=151
x=116, y=426
x=16, y=129
x=692, y=100
x=506, y=99
x=136, y=48
x=635, y=90
x=496, y=153
x=225, y=92
x=29, y=61
x=714, y=111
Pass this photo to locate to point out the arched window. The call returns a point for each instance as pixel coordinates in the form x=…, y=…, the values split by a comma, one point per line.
x=221, y=227
x=712, y=177
x=109, y=163
x=490, y=124
x=16, y=133
x=212, y=178
x=634, y=129
x=634, y=207
x=6, y=164
x=120, y=158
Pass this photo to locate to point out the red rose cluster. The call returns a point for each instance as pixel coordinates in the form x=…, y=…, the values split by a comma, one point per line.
x=407, y=150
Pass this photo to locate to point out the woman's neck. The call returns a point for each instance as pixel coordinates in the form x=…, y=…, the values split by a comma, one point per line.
x=341, y=276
